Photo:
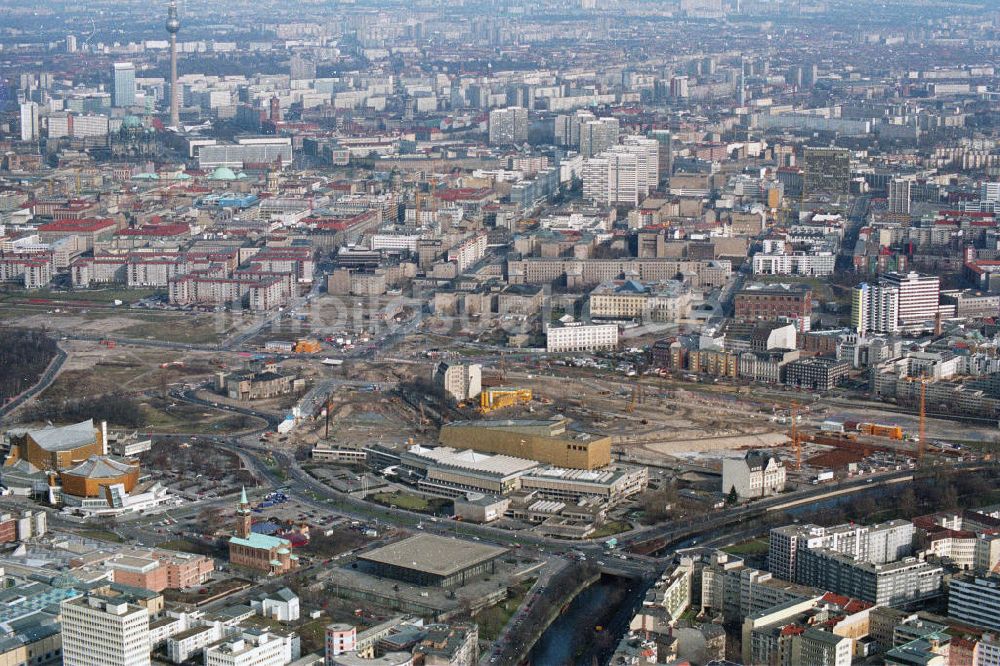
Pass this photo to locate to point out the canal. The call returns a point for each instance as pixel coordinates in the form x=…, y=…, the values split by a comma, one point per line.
x=588, y=631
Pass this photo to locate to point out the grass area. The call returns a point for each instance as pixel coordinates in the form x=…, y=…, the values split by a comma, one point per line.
x=101, y=535
x=690, y=615
x=203, y=329
x=492, y=620
x=275, y=468
x=194, y=419
x=410, y=502
x=109, y=295
x=313, y=635
x=752, y=547
x=611, y=528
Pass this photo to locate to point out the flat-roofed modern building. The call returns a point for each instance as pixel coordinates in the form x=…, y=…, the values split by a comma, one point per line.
x=579, y=337
x=444, y=470
x=898, y=583
x=976, y=600
x=427, y=559
x=101, y=630
x=610, y=484
x=547, y=441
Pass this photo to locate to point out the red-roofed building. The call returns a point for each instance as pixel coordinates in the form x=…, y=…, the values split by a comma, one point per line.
x=90, y=230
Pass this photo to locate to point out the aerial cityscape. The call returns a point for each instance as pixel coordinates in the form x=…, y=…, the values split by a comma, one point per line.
x=597, y=332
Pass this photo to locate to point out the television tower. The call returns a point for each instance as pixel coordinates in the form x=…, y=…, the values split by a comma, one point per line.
x=173, y=26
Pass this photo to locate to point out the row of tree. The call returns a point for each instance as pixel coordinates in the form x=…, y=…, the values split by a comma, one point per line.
x=116, y=408
x=24, y=355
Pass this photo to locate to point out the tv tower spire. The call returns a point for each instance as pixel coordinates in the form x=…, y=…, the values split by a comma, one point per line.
x=173, y=27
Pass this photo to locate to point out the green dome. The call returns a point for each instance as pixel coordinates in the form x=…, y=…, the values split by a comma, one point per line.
x=132, y=121
x=223, y=173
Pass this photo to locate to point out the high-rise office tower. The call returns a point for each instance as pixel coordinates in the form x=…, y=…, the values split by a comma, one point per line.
x=596, y=136
x=741, y=83
x=70, y=43
x=173, y=27
x=29, y=121
x=301, y=68
x=104, y=630
x=648, y=151
x=919, y=296
x=679, y=87
x=622, y=175
x=899, y=195
x=567, y=128
x=124, y=84
x=826, y=171
x=508, y=126
x=666, y=140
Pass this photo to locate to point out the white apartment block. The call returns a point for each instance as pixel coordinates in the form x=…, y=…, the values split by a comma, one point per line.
x=186, y=644
x=812, y=265
x=578, y=337
x=986, y=552
x=508, y=126
x=460, y=381
x=250, y=649
x=34, y=272
x=469, y=251
x=649, y=149
x=876, y=544
x=987, y=651
x=109, y=632
x=407, y=242
x=875, y=308
x=29, y=121
x=623, y=174
x=90, y=125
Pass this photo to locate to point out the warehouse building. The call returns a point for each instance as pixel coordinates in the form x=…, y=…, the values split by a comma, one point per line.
x=548, y=441
x=429, y=560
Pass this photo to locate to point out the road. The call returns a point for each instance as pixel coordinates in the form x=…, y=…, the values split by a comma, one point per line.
x=320, y=495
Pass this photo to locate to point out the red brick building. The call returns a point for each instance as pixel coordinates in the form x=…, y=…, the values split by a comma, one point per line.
x=774, y=302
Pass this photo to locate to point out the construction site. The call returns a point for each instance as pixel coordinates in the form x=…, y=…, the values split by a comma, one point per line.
x=661, y=423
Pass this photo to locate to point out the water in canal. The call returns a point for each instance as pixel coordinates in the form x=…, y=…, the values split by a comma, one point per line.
x=591, y=625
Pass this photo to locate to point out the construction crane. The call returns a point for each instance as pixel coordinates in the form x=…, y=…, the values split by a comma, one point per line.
x=329, y=407
x=638, y=396
x=796, y=439
x=630, y=407
x=921, y=444
x=922, y=428
x=423, y=419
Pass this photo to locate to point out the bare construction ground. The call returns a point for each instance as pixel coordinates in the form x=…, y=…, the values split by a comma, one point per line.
x=164, y=325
